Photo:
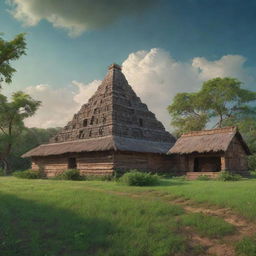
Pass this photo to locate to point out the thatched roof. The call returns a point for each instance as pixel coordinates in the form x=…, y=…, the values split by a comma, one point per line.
x=100, y=144
x=215, y=140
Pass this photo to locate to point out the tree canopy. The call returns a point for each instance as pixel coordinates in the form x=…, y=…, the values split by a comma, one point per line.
x=9, y=51
x=220, y=101
x=12, y=115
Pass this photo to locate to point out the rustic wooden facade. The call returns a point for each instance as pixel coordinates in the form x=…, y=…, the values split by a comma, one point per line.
x=114, y=130
x=210, y=151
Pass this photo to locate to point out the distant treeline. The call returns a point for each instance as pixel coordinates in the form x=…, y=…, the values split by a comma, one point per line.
x=29, y=138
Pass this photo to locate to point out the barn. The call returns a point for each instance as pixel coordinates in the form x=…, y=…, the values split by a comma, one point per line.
x=113, y=131
x=208, y=152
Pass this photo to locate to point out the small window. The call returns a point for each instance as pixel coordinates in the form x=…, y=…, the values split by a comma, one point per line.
x=92, y=120
x=100, y=130
x=141, y=122
x=85, y=122
x=81, y=134
x=72, y=163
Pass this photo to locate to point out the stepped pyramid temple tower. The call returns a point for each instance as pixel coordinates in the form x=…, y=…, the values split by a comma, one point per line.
x=113, y=131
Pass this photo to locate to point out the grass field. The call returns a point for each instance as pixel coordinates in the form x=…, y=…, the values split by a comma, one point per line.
x=52, y=218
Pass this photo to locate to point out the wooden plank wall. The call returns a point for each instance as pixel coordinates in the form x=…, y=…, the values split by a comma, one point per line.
x=104, y=163
x=124, y=161
x=236, y=158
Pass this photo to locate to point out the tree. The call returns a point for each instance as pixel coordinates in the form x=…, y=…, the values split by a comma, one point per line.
x=187, y=114
x=12, y=115
x=9, y=51
x=220, y=99
x=28, y=139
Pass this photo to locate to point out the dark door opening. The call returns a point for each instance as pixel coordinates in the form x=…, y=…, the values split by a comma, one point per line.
x=207, y=164
x=72, y=163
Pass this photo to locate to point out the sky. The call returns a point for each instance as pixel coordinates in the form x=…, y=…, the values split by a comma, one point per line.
x=164, y=47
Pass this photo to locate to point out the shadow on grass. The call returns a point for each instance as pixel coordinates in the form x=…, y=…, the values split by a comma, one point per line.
x=28, y=228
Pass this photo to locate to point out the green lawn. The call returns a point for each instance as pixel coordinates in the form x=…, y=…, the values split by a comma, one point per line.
x=238, y=195
x=52, y=218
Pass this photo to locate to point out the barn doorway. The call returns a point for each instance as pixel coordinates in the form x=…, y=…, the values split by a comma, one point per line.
x=72, y=163
x=207, y=164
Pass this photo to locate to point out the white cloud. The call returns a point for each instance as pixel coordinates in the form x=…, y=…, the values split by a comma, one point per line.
x=154, y=75
x=157, y=77
x=76, y=16
x=85, y=91
x=58, y=105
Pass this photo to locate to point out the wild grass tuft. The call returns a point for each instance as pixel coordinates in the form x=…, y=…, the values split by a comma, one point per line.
x=210, y=226
x=228, y=176
x=246, y=247
x=27, y=174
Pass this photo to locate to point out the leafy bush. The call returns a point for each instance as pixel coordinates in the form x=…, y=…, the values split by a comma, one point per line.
x=252, y=162
x=27, y=174
x=253, y=174
x=203, y=177
x=137, y=178
x=1, y=172
x=71, y=174
x=228, y=176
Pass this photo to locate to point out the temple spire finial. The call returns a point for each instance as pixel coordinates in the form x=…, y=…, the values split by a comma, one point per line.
x=115, y=66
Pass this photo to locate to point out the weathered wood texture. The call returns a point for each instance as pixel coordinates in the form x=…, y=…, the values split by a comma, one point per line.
x=104, y=163
x=236, y=157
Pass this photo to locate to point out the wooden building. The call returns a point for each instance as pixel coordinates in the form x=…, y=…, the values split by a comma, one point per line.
x=114, y=130
x=210, y=151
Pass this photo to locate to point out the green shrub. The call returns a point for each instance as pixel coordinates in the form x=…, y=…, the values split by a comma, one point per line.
x=203, y=177
x=252, y=162
x=71, y=174
x=228, y=176
x=137, y=178
x=246, y=247
x=27, y=174
x=1, y=172
x=253, y=174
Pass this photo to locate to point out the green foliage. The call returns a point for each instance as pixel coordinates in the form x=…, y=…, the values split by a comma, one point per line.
x=9, y=51
x=137, y=178
x=28, y=139
x=246, y=247
x=1, y=172
x=210, y=226
x=219, y=98
x=28, y=174
x=70, y=174
x=203, y=177
x=253, y=174
x=187, y=114
x=229, y=176
x=252, y=162
x=12, y=115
